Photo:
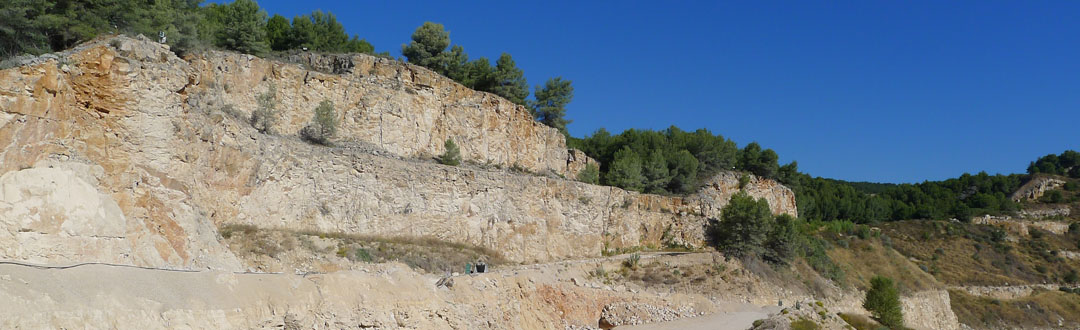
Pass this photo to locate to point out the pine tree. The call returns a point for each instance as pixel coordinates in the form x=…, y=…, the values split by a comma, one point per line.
x=510, y=81
x=551, y=100
x=323, y=126
x=428, y=41
x=744, y=225
x=243, y=27
x=279, y=33
x=452, y=155
x=883, y=302
x=625, y=171
x=590, y=174
x=656, y=173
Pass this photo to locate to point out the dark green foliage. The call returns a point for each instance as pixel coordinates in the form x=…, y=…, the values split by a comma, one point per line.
x=551, y=100
x=961, y=198
x=655, y=169
x=883, y=302
x=242, y=26
x=744, y=226
x=320, y=32
x=625, y=171
x=691, y=157
x=452, y=155
x=24, y=26
x=278, y=33
x=509, y=81
x=428, y=41
x=1053, y=196
x=763, y=163
x=323, y=126
x=505, y=79
x=789, y=174
x=590, y=174
x=1072, y=186
x=1063, y=164
x=40, y=26
x=783, y=241
x=1071, y=277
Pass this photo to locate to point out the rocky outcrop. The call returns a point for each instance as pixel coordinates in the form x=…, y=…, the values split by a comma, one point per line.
x=929, y=310
x=1020, y=226
x=168, y=142
x=1045, y=211
x=404, y=109
x=1036, y=187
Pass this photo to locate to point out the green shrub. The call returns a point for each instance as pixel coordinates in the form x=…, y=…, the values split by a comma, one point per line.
x=1053, y=196
x=804, y=324
x=784, y=240
x=590, y=174
x=743, y=181
x=1071, y=277
x=1072, y=186
x=744, y=226
x=265, y=115
x=862, y=231
x=633, y=261
x=452, y=155
x=323, y=126
x=883, y=302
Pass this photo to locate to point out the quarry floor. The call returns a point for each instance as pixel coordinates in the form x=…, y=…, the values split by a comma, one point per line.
x=116, y=296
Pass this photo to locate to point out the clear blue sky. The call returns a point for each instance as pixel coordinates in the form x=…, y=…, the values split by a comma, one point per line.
x=886, y=91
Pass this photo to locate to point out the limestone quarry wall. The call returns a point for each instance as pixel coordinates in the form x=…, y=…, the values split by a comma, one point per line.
x=158, y=168
x=405, y=109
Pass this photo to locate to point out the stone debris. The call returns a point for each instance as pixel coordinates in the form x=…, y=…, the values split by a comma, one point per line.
x=632, y=313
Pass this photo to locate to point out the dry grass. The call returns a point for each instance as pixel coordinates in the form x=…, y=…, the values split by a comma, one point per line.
x=425, y=253
x=1044, y=309
x=860, y=322
x=967, y=254
x=804, y=324
x=866, y=258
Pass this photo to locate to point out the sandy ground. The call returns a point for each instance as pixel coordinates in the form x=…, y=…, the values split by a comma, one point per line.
x=736, y=317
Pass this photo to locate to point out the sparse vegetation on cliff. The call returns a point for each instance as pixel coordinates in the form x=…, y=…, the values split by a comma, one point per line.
x=428, y=48
x=323, y=125
x=266, y=114
x=590, y=174
x=452, y=155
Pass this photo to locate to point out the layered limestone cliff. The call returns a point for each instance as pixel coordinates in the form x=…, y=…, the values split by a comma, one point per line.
x=1036, y=187
x=404, y=109
x=162, y=153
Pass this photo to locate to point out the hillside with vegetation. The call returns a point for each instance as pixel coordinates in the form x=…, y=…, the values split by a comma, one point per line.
x=319, y=165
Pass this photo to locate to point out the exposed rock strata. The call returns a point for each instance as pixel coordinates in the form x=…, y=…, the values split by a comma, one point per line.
x=1036, y=187
x=177, y=162
x=1020, y=226
x=404, y=109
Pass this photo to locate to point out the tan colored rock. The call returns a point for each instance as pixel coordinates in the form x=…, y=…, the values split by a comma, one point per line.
x=404, y=109
x=930, y=310
x=175, y=159
x=1036, y=187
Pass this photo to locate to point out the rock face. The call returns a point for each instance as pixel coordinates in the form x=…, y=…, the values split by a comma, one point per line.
x=404, y=109
x=166, y=141
x=929, y=310
x=1020, y=226
x=1036, y=187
